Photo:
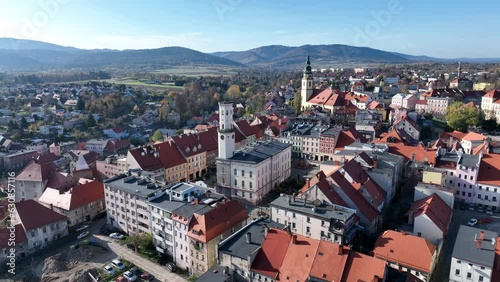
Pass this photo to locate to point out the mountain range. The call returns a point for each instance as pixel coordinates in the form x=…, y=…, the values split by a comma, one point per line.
x=30, y=55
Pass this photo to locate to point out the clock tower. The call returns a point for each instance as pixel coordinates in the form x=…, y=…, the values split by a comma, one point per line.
x=226, y=131
x=306, y=89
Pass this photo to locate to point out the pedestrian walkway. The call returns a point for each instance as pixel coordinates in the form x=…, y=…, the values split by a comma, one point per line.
x=160, y=272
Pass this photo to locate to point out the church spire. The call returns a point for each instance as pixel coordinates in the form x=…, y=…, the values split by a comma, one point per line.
x=459, y=69
x=308, y=66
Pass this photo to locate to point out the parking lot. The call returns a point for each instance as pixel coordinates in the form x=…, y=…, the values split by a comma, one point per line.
x=460, y=217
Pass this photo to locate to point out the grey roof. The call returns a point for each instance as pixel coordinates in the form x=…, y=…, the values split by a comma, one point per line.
x=187, y=211
x=166, y=204
x=140, y=187
x=214, y=274
x=236, y=245
x=469, y=160
x=261, y=152
x=466, y=249
x=322, y=211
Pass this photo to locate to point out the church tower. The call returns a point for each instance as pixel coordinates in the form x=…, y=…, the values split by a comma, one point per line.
x=306, y=89
x=459, y=70
x=226, y=131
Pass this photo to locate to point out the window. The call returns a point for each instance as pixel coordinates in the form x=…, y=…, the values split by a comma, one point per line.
x=293, y=215
x=481, y=278
x=469, y=194
x=235, y=182
x=250, y=174
x=251, y=185
x=242, y=173
x=308, y=219
x=235, y=172
x=308, y=229
x=419, y=234
x=469, y=275
x=479, y=196
x=486, y=197
x=243, y=183
x=494, y=199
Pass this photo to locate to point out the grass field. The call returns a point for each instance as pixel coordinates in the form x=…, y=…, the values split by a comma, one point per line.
x=199, y=71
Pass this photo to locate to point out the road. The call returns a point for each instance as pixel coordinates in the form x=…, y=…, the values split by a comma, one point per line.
x=460, y=217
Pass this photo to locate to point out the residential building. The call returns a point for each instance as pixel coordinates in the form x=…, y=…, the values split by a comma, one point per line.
x=473, y=255
x=21, y=248
x=251, y=173
x=102, y=147
x=405, y=101
x=471, y=141
x=490, y=104
x=80, y=204
x=238, y=251
x=408, y=128
x=438, y=105
x=147, y=159
x=174, y=164
x=40, y=224
x=17, y=161
x=115, y=133
x=368, y=123
x=206, y=230
x=407, y=253
x=316, y=220
x=430, y=217
x=284, y=256
x=112, y=166
x=195, y=154
x=488, y=181
x=127, y=198
x=51, y=130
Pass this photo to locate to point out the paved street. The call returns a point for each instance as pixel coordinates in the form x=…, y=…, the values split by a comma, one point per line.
x=460, y=217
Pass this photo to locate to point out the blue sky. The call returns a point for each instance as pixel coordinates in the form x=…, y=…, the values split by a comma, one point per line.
x=446, y=29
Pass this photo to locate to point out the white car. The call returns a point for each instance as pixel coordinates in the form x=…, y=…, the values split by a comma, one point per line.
x=109, y=269
x=83, y=234
x=130, y=276
x=83, y=227
x=472, y=222
x=116, y=236
x=489, y=211
x=118, y=264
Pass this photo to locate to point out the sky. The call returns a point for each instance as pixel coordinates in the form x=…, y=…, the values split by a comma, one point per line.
x=445, y=29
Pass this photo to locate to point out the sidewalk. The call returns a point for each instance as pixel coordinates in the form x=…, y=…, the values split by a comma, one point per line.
x=160, y=272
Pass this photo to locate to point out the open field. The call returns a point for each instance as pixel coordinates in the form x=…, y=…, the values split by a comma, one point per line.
x=199, y=71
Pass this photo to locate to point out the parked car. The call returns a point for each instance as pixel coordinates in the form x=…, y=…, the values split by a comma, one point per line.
x=472, y=222
x=480, y=209
x=136, y=271
x=489, y=211
x=105, y=231
x=117, y=236
x=463, y=206
x=131, y=246
x=109, y=270
x=83, y=234
x=487, y=220
x=471, y=207
x=172, y=267
x=118, y=264
x=130, y=276
x=121, y=279
x=83, y=227
x=147, y=276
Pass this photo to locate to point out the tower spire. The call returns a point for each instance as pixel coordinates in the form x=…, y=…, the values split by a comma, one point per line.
x=307, y=70
x=459, y=69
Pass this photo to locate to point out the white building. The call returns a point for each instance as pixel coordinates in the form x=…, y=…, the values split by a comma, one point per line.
x=127, y=198
x=471, y=141
x=473, y=255
x=51, y=129
x=488, y=182
x=252, y=172
x=405, y=101
x=438, y=105
x=490, y=104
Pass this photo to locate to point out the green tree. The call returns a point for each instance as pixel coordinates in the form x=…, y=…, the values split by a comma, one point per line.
x=233, y=93
x=80, y=105
x=24, y=123
x=460, y=117
x=297, y=102
x=141, y=241
x=90, y=122
x=157, y=136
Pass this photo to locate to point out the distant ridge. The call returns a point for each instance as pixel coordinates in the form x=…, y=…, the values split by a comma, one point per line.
x=31, y=55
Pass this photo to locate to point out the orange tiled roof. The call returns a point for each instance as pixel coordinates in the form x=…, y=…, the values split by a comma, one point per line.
x=473, y=136
x=407, y=250
x=495, y=93
x=435, y=209
x=360, y=267
x=489, y=170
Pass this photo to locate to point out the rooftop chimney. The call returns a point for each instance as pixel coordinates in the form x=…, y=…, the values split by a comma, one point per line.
x=308, y=183
x=481, y=235
x=249, y=237
x=375, y=278
x=340, y=250
x=478, y=242
x=294, y=239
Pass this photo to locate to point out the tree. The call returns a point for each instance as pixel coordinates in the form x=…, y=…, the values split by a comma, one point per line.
x=90, y=122
x=24, y=123
x=297, y=102
x=157, y=136
x=490, y=124
x=80, y=105
x=141, y=241
x=460, y=117
x=233, y=93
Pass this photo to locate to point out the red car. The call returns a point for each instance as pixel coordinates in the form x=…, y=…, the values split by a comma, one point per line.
x=487, y=220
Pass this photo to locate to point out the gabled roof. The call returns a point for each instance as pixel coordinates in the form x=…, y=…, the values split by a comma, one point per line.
x=363, y=268
x=76, y=197
x=355, y=196
x=435, y=209
x=35, y=171
x=60, y=181
x=272, y=253
x=472, y=136
x=320, y=96
x=347, y=137
x=188, y=144
x=481, y=148
x=47, y=158
x=147, y=158
x=169, y=154
x=208, y=139
x=244, y=127
x=489, y=170
x=207, y=226
x=20, y=236
x=313, y=181
x=495, y=93
x=361, y=178
x=407, y=250
x=335, y=100
x=33, y=215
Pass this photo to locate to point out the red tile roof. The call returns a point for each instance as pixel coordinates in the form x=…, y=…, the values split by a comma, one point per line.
x=86, y=193
x=457, y=135
x=60, y=181
x=188, y=144
x=336, y=100
x=34, y=215
x=495, y=271
x=398, y=147
x=435, y=209
x=489, y=170
x=303, y=251
x=208, y=139
x=245, y=128
x=421, y=102
x=481, y=148
x=205, y=227
x=146, y=158
x=362, y=179
x=355, y=196
x=472, y=136
x=320, y=96
x=35, y=171
x=20, y=236
x=495, y=93
x=169, y=154
x=47, y=158
x=360, y=267
x=347, y=137
x=313, y=181
x=272, y=253
x=407, y=250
